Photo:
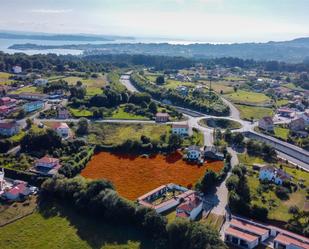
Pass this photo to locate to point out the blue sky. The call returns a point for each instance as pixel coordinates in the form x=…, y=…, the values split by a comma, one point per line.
x=201, y=20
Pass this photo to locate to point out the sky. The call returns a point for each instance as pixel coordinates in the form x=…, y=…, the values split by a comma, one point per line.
x=194, y=20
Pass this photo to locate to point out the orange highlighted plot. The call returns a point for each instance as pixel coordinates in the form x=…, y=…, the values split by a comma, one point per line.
x=134, y=176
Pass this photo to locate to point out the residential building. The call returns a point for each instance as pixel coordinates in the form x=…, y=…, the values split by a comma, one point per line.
x=165, y=197
x=162, y=117
x=266, y=124
x=271, y=173
x=62, y=129
x=245, y=233
x=33, y=106
x=182, y=90
x=40, y=82
x=288, y=242
x=4, y=109
x=297, y=124
x=190, y=208
x=32, y=96
x=212, y=153
x=181, y=129
x=17, y=192
x=17, y=69
x=63, y=113
x=194, y=152
x=286, y=112
x=7, y=101
x=46, y=166
x=8, y=128
x=305, y=116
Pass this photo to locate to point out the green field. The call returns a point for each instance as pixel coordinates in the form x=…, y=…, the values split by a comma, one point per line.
x=61, y=227
x=292, y=86
x=222, y=87
x=214, y=221
x=220, y=123
x=197, y=138
x=121, y=114
x=27, y=89
x=248, y=97
x=4, y=78
x=246, y=112
x=278, y=209
x=282, y=102
x=173, y=84
x=113, y=134
x=78, y=113
x=91, y=91
x=282, y=133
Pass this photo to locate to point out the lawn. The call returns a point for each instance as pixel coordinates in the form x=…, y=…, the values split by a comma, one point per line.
x=292, y=86
x=16, y=210
x=172, y=84
x=246, y=112
x=282, y=133
x=4, y=78
x=91, y=91
x=78, y=113
x=220, y=87
x=61, y=227
x=220, y=123
x=121, y=114
x=282, y=102
x=26, y=89
x=134, y=176
x=278, y=209
x=248, y=97
x=112, y=134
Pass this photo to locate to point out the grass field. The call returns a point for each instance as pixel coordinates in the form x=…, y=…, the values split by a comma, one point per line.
x=172, y=84
x=246, y=112
x=4, y=78
x=16, y=210
x=278, y=209
x=134, y=176
x=61, y=227
x=197, y=138
x=293, y=86
x=91, y=91
x=27, y=89
x=220, y=123
x=282, y=102
x=111, y=134
x=282, y=133
x=78, y=113
x=248, y=97
x=218, y=87
x=121, y=114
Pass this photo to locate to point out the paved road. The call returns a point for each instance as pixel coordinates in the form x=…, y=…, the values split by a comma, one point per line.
x=125, y=80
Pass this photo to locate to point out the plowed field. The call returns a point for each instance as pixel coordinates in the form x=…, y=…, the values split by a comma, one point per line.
x=134, y=176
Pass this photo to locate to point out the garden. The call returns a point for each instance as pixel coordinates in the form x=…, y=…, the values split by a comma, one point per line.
x=220, y=123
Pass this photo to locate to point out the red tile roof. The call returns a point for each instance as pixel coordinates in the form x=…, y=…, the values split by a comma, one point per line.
x=241, y=235
x=186, y=126
x=162, y=114
x=7, y=125
x=248, y=227
x=18, y=189
x=286, y=240
x=182, y=215
x=60, y=125
x=47, y=159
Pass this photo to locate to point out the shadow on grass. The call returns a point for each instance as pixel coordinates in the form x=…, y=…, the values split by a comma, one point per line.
x=95, y=232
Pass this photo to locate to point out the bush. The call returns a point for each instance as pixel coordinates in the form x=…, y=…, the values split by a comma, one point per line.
x=259, y=213
x=282, y=193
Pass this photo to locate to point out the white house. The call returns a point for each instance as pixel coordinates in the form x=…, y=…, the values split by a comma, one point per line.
x=266, y=123
x=180, y=129
x=273, y=174
x=194, y=152
x=190, y=208
x=17, y=69
x=62, y=129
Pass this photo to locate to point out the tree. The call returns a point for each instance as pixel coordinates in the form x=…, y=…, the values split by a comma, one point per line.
x=174, y=141
x=160, y=80
x=29, y=123
x=83, y=127
x=259, y=213
x=208, y=182
x=153, y=107
x=232, y=182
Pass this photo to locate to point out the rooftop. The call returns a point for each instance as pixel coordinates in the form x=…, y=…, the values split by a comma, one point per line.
x=248, y=227
x=244, y=236
x=287, y=240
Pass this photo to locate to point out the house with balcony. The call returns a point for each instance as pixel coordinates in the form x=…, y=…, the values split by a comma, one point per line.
x=8, y=129
x=33, y=106
x=62, y=129
x=181, y=129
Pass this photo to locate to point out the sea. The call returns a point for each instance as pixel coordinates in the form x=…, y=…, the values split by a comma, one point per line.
x=6, y=43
